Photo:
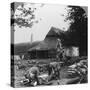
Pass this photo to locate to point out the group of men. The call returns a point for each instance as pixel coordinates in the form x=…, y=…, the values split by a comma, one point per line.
x=53, y=71
x=52, y=68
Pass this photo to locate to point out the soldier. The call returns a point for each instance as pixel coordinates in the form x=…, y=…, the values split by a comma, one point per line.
x=54, y=71
x=57, y=71
x=32, y=74
x=50, y=70
x=59, y=50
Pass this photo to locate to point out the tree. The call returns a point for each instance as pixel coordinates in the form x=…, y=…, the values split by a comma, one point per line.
x=23, y=16
x=78, y=28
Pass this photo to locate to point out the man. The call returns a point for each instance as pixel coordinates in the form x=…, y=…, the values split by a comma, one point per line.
x=54, y=70
x=57, y=71
x=59, y=50
x=50, y=70
x=32, y=74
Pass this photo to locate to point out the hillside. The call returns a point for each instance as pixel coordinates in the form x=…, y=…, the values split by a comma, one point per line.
x=22, y=47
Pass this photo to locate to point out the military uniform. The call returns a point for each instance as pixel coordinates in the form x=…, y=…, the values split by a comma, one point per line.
x=32, y=74
x=59, y=51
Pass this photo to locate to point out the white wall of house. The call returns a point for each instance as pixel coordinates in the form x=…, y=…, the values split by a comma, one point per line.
x=72, y=51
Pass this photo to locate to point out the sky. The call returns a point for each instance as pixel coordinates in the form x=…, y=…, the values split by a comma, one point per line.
x=48, y=15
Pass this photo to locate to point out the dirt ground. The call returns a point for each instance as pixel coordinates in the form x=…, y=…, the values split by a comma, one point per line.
x=21, y=66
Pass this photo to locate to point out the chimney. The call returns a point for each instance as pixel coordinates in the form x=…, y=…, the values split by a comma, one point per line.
x=31, y=37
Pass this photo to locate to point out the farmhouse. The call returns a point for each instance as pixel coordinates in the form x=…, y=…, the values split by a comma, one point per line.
x=47, y=47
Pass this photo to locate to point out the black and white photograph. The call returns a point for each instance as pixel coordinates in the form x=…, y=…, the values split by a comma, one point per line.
x=49, y=44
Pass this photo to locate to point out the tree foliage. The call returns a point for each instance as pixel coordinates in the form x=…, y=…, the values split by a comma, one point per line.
x=23, y=16
x=78, y=28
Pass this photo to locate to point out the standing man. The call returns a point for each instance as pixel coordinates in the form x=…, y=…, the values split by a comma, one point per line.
x=59, y=50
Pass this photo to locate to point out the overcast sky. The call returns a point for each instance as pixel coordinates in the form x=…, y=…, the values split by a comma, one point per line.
x=50, y=15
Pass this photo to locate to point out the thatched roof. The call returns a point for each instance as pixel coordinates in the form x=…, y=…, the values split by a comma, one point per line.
x=50, y=40
x=55, y=32
x=41, y=46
